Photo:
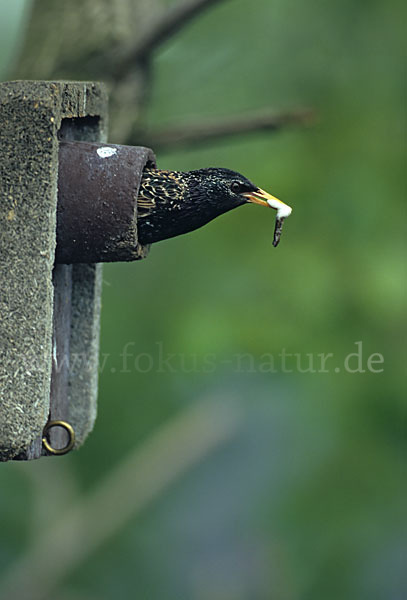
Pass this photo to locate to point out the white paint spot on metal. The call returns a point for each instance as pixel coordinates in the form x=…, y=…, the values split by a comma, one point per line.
x=105, y=152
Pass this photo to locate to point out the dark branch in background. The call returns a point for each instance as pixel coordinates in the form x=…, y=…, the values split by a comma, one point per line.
x=167, y=25
x=200, y=133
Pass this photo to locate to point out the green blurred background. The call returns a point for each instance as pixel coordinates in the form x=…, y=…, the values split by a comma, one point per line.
x=306, y=498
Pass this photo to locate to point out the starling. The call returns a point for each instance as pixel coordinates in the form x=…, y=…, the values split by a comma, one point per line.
x=171, y=203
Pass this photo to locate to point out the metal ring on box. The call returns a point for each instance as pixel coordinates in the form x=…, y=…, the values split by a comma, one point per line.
x=71, y=437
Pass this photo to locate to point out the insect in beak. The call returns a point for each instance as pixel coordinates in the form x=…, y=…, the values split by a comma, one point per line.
x=265, y=199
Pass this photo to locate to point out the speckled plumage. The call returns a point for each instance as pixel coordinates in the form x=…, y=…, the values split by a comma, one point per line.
x=171, y=203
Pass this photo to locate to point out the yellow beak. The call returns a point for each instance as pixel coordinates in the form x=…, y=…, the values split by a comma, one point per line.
x=266, y=199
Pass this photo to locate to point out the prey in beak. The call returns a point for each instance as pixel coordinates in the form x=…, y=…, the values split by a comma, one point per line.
x=259, y=196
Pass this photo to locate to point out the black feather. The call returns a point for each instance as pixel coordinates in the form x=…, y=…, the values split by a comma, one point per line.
x=171, y=203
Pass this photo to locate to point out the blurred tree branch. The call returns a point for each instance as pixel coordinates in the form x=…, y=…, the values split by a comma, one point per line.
x=84, y=40
x=113, y=41
x=207, y=131
x=168, y=24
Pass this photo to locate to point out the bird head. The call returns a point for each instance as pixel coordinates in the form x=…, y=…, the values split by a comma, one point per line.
x=226, y=189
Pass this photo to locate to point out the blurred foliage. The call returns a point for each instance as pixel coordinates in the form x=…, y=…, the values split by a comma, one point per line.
x=308, y=500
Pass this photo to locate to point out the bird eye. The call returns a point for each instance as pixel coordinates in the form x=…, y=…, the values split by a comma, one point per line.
x=236, y=187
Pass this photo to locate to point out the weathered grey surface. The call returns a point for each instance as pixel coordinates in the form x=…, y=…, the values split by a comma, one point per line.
x=61, y=336
x=30, y=117
x=84, y=348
